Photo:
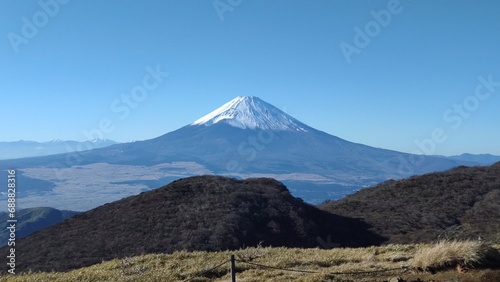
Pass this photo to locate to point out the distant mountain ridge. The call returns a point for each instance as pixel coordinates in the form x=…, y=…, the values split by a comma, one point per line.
x=483, y=159
x=25, y=149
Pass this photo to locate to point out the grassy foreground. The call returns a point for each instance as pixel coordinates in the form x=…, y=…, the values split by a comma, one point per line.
x=318, y=265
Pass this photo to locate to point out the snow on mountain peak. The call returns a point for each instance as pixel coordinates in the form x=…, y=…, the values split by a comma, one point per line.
x=252, y=113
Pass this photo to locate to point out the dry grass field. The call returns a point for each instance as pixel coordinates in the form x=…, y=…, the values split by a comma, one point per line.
x=444, y=261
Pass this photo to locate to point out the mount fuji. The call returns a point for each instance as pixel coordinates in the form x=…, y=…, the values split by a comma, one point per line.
x=251, y=113
x=246, y=137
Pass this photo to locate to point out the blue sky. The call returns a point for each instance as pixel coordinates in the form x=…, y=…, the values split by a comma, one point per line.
x=406, y=81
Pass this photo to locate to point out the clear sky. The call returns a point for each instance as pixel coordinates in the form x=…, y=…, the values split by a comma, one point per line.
x=390, y=74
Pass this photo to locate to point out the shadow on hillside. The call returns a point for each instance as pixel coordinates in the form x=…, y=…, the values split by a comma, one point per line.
x=348, y=232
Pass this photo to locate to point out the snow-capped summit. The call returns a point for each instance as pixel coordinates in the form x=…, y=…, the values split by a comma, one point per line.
x=250, y=112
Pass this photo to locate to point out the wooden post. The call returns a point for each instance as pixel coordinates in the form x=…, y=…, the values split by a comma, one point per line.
x=233, y=269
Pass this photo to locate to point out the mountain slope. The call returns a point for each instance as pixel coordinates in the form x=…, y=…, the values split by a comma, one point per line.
x=463, y=202
x=198, y=213
x=31, y=220
x=248, y=135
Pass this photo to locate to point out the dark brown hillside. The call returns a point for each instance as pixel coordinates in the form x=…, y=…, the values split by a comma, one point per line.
x=463, y=202
x=197, y=213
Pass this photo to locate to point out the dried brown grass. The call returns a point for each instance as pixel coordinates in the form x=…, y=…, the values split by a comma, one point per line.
x=193, y=266
x=449, y=254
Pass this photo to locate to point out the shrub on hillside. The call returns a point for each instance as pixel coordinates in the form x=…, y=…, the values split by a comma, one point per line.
x=448, y=254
